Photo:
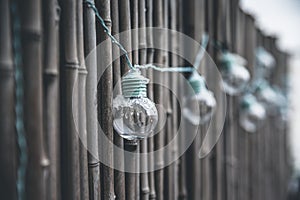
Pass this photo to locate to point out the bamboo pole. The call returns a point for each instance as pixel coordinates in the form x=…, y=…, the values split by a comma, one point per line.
x=104, y=89
x=174, y=86
x=144, y=181
x=31, y=25
x=82, y=124
x=125, y=26
x=51, y=96
x=91, y=109
x=182, y=190
x=119, y=176
x=134, y=14
x=150, y=59
x=192, y=163
x=8, y=165
x=169, y=170
x=126, y=40
x=69, y=103
x=158, y=95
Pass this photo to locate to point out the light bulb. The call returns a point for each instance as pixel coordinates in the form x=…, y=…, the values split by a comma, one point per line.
x=268, y=96
x=264, y=58
x=199, y=107
x=252, y=113
x=235, y=76
x=135, y=116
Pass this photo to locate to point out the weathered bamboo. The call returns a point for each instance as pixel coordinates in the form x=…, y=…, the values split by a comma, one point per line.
x=8, y=164
x=51, y=96
x=182, y=190
x=125, y=26
x=82, y=124
x=150, y=59
x=192, y=160
x=119, y=176
x=69, y=104
x=232, y=110
x=174, y=86
x=91, y=108
x=134, y=12
x=211, y=161
x=31, y=25
x=158, y=95
x=126, y=40
x=144, y=181
x=104, y=89
x=168, y=171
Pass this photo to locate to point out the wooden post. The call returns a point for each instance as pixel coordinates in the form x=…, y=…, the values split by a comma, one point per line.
x=8, y=156
x=51, y=96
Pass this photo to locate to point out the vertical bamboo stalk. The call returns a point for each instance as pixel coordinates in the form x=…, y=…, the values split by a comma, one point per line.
x=191, y=155
x=174, y=85
x=126, y=40
x=144, y=181
x=125, y=26
x=150, y=59
x=104, y=89
x=82, y=124
x=119, y=176
x=8, y=165
x=135, y=59
x=91, y=108
x=182, y=193
x=69, y=103
x=51, y=96
x=158, y=95
x=31, y=25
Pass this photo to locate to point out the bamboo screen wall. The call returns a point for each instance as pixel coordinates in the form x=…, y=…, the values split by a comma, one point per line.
x=54, y=39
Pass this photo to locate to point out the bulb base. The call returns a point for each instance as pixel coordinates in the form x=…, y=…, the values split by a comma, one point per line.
x=134, y=84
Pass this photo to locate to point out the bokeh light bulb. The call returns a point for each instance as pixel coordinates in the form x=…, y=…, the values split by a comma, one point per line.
x=268, y=96
x=235, y=76
x=252, y=113
x=135, y=116
x=199, y=107
x=264, y=58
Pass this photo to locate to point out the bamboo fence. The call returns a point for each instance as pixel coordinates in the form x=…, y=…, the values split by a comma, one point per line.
x=65, y=103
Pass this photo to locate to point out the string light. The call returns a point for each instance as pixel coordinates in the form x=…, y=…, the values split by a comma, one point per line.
x=234, y=74
x=200, y=105
x=252, y=113
x=135, y=116
x=19, y=109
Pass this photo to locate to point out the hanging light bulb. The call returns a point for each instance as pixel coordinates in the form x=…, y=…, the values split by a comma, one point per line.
x=268, y=96
x=235, y=76
x=135, y=116
x=252, y=113
x=199, y=107
x=264, y=58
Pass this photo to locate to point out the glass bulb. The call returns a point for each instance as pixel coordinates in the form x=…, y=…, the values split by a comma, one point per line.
x=199, y=107
x=135, y=116
x=252, y=113
x=268, y=96
x=265, y=58
x=235, y=76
